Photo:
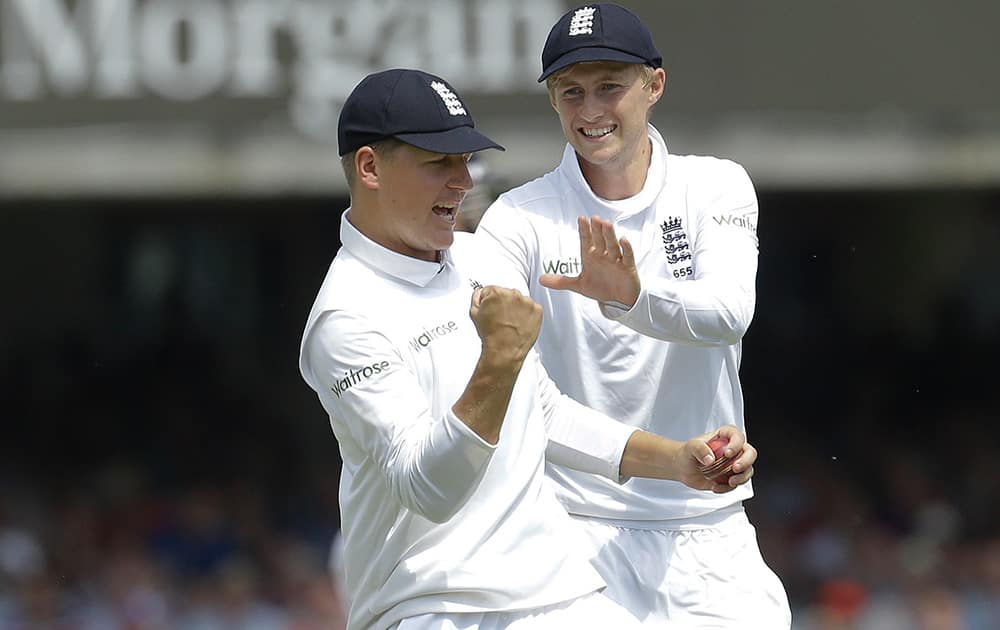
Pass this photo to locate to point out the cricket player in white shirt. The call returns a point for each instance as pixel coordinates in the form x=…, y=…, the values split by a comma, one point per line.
x=647, y=326
x=443, y=414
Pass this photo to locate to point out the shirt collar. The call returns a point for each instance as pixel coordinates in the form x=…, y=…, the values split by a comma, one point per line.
x=401, y=266
x=655, y=177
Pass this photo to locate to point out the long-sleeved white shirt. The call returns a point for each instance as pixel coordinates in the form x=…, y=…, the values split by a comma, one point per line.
x=670, y=364
x=434, y=519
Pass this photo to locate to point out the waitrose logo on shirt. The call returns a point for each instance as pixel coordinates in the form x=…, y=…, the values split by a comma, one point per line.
x=425, y=338
x=353, y=377
x=562, y=267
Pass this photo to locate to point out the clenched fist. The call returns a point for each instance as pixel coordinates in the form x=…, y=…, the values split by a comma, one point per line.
x=507, y=321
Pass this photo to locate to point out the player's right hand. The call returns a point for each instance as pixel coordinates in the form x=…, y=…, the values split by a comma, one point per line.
x=607, y=270
x=697, y=453
x=507, y=321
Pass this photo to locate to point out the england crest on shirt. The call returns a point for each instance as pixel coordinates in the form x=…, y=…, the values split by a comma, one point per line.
x=676, y=248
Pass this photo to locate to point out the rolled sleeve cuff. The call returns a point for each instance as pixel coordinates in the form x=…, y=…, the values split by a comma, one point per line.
x=594, y=445
x=623, y=313
x=450, y=469
x=467, y=440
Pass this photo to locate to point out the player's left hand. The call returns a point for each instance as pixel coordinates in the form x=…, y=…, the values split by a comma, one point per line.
x=608, y=272
x=697, y=453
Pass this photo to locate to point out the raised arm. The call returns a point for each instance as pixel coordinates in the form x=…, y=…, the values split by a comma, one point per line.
x=431, y=465
x=508, y=324
x=709, y=304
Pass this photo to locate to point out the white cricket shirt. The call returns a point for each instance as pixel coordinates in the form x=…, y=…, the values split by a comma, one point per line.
x=435, y=520
x=670, y=364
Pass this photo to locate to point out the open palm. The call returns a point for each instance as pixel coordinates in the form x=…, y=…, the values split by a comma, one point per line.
x=608, y=272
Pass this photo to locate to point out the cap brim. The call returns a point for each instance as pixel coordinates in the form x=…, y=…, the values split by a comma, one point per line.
x=463, y=139
x=590, y=53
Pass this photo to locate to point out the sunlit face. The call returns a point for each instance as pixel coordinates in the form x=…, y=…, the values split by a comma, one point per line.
x=419, y=193
x=603, y=109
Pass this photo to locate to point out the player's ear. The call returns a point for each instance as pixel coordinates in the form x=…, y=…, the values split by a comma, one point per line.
x=657, y=85
x=366, y=168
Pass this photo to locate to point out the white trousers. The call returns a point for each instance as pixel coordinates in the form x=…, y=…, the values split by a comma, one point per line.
x=698, y=577
x=590, y=612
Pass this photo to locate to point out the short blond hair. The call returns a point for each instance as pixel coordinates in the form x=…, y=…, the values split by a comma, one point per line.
x=385, y=147
x=553, y=81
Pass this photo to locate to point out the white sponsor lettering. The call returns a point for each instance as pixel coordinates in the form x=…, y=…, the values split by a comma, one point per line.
x=311, y=52
x=203, y=69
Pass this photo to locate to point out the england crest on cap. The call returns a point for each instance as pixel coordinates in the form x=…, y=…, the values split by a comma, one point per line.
x=598, y=32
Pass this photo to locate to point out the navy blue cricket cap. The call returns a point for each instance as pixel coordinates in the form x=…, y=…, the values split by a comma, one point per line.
x=598, y=32
x=412, y=106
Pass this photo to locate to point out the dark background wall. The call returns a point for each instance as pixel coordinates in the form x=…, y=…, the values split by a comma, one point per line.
x=149, y=364
x=162, y=465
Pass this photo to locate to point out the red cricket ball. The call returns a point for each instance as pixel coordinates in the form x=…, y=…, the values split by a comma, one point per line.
x=721, y=469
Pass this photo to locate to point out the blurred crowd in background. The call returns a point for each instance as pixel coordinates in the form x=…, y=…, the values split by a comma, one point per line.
x=167, y=215
x=114, y=557
x=893, y=543
x=164, y=467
